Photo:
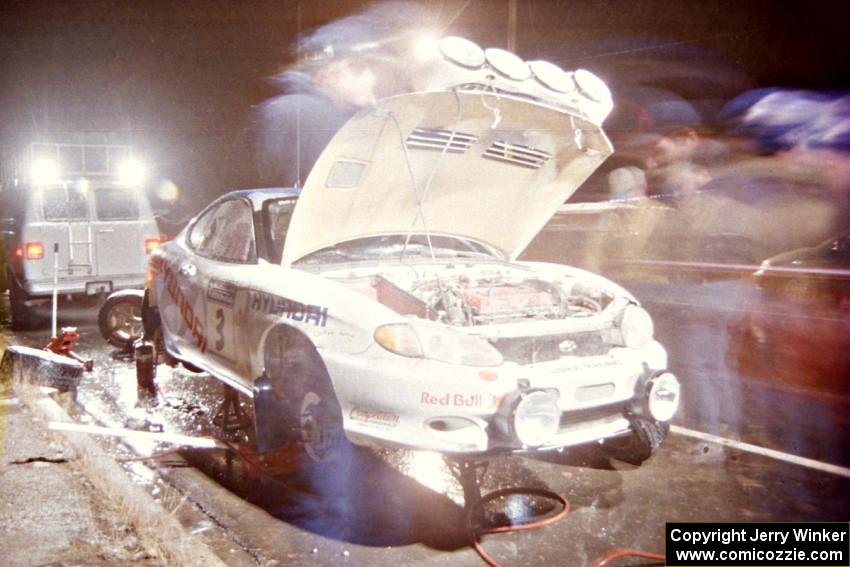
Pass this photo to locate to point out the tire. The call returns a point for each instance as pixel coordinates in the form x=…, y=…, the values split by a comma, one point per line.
x=299, y=378
x=120, y=318
x=638, y=446
x=23, y=317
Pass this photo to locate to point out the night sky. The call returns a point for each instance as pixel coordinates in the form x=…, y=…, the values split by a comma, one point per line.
x=182, y=78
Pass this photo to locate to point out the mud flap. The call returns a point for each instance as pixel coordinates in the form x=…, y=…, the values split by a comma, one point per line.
x=275, y=420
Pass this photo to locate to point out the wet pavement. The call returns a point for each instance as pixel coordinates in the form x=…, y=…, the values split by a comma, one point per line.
x=405, y=507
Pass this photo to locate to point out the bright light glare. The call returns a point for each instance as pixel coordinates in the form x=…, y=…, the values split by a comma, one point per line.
x=429, y=469
x=131, y=172
x=168, y=191
x=427, y=47
x=44, y=171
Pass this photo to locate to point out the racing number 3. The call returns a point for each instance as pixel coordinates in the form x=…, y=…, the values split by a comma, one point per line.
x=219, y=329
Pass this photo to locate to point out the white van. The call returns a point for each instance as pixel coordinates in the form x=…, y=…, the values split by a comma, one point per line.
x=100, y=226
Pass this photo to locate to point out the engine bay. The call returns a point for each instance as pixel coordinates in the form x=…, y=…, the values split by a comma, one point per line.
x=481, y=297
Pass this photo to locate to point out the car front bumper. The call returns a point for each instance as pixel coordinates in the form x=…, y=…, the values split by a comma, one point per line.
x=415, y=403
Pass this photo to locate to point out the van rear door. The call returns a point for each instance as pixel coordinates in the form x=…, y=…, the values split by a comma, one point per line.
x=122, y=225
x=65, y=213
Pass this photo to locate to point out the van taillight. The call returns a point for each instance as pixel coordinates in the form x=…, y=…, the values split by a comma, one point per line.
x=151, y=244
x=34, y=251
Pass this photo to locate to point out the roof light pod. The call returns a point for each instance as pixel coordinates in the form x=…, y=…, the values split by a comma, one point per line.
x=462, y=51
x=552, y=77
x=507, y=63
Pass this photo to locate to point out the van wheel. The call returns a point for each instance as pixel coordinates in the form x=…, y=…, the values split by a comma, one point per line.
x=120, y=319
x=23, y=317
x=639, y=445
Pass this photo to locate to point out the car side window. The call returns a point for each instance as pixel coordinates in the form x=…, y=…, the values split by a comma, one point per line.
x=278, y=215
x=225, y=233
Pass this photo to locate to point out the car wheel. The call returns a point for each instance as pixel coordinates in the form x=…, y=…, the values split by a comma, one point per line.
x=120, y=319
x=320, y=424
x=298, y=375
x=638, y=446
x=22, y=316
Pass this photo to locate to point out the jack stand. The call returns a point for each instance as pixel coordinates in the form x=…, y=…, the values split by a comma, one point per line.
x=229, y=417
x=470, y=475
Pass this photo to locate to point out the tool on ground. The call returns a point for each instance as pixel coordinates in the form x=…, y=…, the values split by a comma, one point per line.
x=63, y=343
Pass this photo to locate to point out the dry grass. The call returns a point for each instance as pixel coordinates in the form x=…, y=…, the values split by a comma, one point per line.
x=158, y=532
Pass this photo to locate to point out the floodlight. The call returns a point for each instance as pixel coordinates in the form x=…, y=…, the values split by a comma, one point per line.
x=44, y=171
x=131, y=172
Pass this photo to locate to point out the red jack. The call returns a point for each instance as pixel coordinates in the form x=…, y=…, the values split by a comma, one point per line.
x=64, y=343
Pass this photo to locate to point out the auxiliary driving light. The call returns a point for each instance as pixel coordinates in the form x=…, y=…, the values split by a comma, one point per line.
x=536, y=417
x=507, y=63
x=663, y=399
x=462, y=51
x=592, y=86
x=552, y=76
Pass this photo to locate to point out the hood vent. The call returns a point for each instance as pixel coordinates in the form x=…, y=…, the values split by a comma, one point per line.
x=525, y=156
x=435, y=139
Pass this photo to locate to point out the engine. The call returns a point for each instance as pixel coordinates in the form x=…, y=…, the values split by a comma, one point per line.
x=464, y=301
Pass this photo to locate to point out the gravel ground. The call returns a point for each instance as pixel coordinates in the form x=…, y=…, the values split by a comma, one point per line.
x=49, y=512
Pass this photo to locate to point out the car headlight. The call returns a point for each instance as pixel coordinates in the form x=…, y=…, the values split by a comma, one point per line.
x=636, y=328
x=437, y=343
x=536, y=418
x=663, y=399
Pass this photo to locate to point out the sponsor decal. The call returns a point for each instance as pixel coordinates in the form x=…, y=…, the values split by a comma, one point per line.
x=375, y=417
x=276, y=305
x=187, y=313
x=459, y=400
x=221, y=292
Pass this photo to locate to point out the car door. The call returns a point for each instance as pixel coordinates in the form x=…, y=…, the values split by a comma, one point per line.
x=225, y=256
x=65, y=213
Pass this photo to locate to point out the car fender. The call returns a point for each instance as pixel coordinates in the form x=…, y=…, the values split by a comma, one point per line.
x=331, y=315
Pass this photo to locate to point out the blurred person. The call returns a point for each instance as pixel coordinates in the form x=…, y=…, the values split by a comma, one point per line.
x=343, y=67
x=295, y=127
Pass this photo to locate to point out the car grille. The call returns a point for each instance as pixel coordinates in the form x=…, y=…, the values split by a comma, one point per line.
x=528, y=350
x=578, y=418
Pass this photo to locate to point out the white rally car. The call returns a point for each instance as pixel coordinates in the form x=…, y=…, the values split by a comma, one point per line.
x=391, y=307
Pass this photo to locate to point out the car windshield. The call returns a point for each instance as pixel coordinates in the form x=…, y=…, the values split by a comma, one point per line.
x=389, y=246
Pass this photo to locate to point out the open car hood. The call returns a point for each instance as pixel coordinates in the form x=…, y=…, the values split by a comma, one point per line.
x=510, y=163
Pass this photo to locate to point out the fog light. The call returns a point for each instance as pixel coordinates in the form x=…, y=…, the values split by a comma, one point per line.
x=664, y=397
x=536, y=418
